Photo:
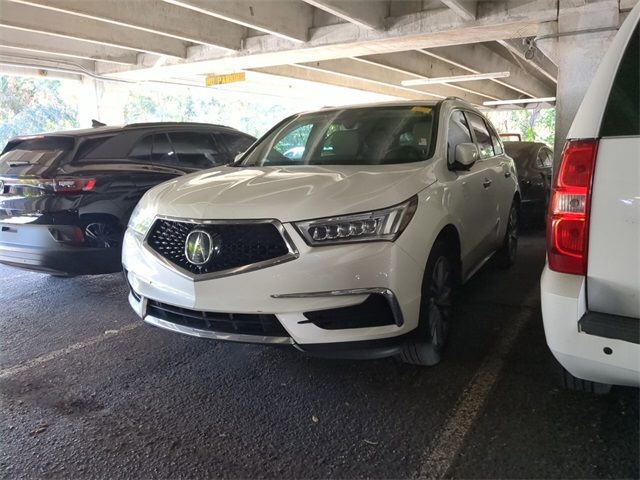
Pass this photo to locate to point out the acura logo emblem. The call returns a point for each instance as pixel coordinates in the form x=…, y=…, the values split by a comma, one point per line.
x=200, y=246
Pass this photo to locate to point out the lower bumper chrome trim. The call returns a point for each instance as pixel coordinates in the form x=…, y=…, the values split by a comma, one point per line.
x=388, y=294
x=229, y=337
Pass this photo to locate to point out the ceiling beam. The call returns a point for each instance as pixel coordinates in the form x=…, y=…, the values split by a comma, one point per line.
x=311, y=74
x=16, y=70
x=425, y=29
x=31, y=19
x=540, y=62
x=350, y=67
x=477, y=58
x=425, y=66
x=467, y=9
x=366, y=13
x=153, y=16
x=627, y=5
x=282, y=18
x=29, y=43
x=359, y=68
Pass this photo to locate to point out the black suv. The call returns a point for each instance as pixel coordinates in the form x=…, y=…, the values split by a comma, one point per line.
x=66, y=197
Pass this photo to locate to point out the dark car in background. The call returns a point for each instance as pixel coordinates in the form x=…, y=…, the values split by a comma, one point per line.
x=66, y=197
x=534, y=162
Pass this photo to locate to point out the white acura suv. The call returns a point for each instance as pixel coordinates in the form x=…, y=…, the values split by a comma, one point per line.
x=350, y=248
x=590, y=287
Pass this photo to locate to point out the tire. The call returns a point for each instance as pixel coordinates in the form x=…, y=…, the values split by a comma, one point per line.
x=570, y=382
x=435, y=309
x=506, y=255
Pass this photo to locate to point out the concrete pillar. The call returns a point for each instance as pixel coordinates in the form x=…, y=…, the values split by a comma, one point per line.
x=87, y=102
x=583, y=35
x=112, y=97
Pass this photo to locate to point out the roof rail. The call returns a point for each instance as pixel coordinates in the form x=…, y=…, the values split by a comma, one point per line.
x=165, y=124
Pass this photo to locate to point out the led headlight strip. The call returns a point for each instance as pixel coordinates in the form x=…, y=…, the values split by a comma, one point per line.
x=377, y=225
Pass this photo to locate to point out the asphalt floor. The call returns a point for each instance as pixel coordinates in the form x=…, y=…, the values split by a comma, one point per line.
x=89, y=391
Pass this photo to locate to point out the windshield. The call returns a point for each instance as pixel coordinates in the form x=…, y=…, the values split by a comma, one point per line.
x=42, y=151
x=354, y=136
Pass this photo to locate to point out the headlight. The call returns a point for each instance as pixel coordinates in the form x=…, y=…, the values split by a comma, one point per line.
x=372, y=226
x=141, y=218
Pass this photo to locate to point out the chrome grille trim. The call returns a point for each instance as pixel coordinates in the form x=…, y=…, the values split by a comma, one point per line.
x=292, y=251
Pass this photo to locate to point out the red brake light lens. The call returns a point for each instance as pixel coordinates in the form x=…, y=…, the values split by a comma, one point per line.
x=72, y=185
x=568, y=217
x=57, y=184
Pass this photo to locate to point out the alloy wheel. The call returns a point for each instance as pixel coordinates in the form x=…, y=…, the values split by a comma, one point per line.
x=440, y=292
x=512, y=233
x=101, y=235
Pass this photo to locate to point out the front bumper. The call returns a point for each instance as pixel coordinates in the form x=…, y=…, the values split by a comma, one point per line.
x=359, y=350
x=583, y=355
x=34, y=247
x=321, y=278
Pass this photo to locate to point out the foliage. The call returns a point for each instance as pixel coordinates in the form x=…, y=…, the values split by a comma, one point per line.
x=195, y=105
x=534, y=125
x=32, y=105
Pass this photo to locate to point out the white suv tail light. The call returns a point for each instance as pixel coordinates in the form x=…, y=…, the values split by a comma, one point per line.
x=568, y=217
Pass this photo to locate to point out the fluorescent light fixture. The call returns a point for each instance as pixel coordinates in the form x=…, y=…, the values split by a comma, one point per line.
x=516, y=101
x=455, y=78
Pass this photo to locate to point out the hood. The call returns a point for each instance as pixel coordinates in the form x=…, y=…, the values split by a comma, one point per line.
x=289, y=193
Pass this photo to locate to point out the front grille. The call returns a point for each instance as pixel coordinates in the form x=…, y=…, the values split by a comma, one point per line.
x=373, y=312
x=240, y=244
x=239, y=323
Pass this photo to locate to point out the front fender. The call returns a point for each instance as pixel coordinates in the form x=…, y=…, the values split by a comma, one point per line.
x=430, y=219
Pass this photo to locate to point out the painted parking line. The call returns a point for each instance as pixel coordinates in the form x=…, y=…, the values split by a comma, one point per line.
x=47, y=357
x=438, y=459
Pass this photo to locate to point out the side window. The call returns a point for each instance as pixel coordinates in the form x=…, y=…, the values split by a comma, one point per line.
x=544, y=159
x=162, y=151
x=458, y=133
x=294, y=143
x=483, y=139
x=197, y=150
x=142, y=149
x=495, y=140
x=622, y=113
x=235, y=143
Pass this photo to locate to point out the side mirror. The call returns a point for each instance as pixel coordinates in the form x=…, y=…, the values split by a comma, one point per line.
x=466, y=155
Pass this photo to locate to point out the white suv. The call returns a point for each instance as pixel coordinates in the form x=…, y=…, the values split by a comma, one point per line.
x=350, y=248
x=591, y=284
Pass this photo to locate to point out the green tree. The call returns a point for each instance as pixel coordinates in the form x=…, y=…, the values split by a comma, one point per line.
x=33, y=105
x=198, y=105
x=534, y=125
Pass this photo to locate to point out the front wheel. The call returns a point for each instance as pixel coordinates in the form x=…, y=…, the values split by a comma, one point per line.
x=435, y=309
x=506, y=256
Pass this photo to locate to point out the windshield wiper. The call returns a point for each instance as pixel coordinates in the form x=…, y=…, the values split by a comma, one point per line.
x=20, y=164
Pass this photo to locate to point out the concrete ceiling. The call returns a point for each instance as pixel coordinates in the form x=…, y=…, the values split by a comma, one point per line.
x=368, y=45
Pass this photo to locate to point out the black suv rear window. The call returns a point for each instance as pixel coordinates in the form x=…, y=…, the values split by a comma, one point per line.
x=622, y=113
x=89, y=146
x=37, y=151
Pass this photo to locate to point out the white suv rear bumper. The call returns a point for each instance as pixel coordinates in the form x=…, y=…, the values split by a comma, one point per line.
x=563, y=300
